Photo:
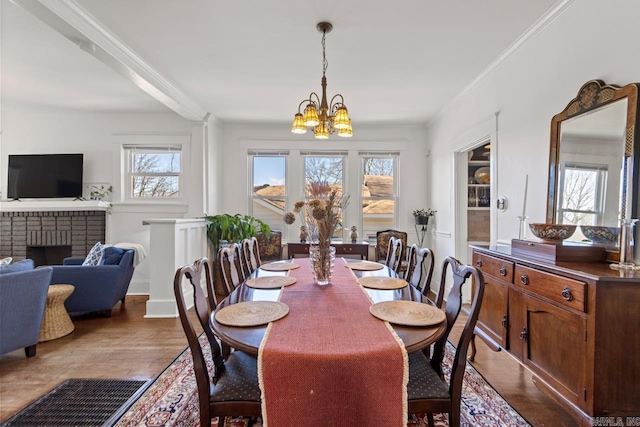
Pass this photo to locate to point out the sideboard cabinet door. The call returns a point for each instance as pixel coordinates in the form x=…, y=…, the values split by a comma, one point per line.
x=554, y=347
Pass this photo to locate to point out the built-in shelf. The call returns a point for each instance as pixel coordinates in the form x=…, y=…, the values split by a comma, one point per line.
x=478, y=194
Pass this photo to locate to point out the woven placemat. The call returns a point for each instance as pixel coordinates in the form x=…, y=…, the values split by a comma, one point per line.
x=270, y=282
x=251, y=313
x=380, y=282
x=408, y=313
x=365, y=265
x=280, y=266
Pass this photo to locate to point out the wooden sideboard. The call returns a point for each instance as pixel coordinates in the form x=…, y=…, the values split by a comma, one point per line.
x=576, y=326
x=342, y=249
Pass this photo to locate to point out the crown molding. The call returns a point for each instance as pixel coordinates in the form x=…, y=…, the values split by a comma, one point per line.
x=527, y=36
x=76, y=24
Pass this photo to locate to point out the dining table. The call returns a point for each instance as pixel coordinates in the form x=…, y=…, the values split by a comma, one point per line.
x=329, y=360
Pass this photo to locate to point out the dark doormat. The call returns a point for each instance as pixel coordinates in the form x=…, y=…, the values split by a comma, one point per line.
x=81, y=402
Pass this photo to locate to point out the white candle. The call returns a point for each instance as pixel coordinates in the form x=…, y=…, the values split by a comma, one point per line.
x=524, y=202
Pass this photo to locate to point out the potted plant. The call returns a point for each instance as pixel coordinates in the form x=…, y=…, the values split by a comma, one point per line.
x=225, y=228
x=422, y=216
x=233, y=228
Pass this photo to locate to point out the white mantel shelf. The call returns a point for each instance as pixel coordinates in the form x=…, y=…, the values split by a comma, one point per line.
x=52, y=205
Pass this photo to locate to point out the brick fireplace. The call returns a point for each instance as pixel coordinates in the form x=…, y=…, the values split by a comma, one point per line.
x=49, y=236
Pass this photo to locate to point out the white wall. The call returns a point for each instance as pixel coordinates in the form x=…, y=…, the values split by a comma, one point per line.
x=589, y=40
x=99, y=136
x=408, y=140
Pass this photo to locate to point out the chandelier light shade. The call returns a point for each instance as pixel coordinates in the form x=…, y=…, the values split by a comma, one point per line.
x=319, y=115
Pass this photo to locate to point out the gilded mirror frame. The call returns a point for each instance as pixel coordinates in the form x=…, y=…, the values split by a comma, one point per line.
x=591, y=96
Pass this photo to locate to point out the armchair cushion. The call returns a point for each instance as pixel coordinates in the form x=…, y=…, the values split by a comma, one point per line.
x=94, y=256
x=111, y=255
x=23, y=295
x=24, y=265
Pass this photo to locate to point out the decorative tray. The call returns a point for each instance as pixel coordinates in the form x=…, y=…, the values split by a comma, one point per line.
x=365, y=265
x=280, y=266
x=385, y=283
x=270, y=282
x=408, y=313
x=251, y=313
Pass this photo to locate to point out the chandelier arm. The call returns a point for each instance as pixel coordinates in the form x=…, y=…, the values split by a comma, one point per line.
x=337, y=105
x=317, y=101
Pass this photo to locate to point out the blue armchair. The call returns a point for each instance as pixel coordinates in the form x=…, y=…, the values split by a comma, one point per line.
x=23, y=295
x=97, y=287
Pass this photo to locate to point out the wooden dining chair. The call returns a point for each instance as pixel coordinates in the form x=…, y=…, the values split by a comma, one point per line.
x=394, y=254
x=427, y=390
x=420, y=266
x=232, y=389
x=382, y=245
x=229, y=259
x=251, y=252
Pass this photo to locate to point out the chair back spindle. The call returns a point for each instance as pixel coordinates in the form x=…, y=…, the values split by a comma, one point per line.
x=394, y=254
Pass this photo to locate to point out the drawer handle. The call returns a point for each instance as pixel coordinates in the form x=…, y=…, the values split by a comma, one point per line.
x=566, y=294
x=479, y=263
x=504, y=321
x=503, y=270
x=524, y=279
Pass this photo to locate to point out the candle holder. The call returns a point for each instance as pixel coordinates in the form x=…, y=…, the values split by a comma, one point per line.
x=522, y=231
x=627, y=246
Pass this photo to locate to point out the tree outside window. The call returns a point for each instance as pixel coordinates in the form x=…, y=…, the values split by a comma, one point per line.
x=154, y=173
x=582, y=195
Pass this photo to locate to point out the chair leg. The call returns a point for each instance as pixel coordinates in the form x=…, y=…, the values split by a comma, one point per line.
x=472, y=357
x=454, y=418
x=430, y=420
x=30, y=351
x=122, y=300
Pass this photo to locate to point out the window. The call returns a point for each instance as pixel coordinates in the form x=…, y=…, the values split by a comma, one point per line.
x=324, y=172
x=379, y=192
x=268, y=187
x=581, y=194
x=153, y=172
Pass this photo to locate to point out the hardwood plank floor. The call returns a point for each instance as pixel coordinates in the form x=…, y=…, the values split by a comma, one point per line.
x=131, y=347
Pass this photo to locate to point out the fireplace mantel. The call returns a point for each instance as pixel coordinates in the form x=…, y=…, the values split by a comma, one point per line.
x=52, y=205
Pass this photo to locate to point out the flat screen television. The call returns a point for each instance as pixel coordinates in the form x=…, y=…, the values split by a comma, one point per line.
x=44, y=176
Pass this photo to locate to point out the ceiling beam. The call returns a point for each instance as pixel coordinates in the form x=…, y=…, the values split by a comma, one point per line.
x=68, y=18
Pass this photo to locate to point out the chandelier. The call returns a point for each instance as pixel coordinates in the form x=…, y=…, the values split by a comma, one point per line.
x=322, y=117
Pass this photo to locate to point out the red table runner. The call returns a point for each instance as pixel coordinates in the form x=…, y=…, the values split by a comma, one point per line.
x=329, y=362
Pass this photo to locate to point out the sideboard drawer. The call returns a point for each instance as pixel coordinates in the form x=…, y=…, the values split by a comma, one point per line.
x=494, y=266
x=568, y=292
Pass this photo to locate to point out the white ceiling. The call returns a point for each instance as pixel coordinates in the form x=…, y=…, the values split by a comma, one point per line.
x=255, y=60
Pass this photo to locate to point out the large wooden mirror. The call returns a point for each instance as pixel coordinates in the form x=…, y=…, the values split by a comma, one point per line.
x=594, y=159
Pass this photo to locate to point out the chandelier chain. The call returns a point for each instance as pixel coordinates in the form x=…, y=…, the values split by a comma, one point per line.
x=325, y=63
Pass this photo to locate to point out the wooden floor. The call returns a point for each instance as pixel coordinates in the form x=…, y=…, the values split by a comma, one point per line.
x=131, y=347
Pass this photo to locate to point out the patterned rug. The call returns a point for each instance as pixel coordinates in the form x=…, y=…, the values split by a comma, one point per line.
x=172, y=400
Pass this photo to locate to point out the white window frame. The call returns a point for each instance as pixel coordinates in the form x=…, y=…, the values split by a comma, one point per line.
x=252, y=154
x=343, y=155
x=379, y=154
x=600, y=186
x=129, y=149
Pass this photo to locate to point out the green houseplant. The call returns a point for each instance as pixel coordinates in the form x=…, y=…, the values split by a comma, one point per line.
x=422, y=216
x=230, y=228
x=233, y=228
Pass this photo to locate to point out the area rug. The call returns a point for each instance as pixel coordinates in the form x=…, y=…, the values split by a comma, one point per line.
x=80, y=402
x=172, y=400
